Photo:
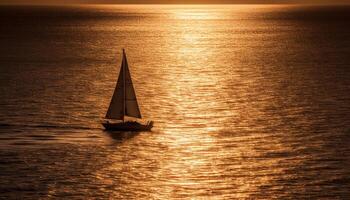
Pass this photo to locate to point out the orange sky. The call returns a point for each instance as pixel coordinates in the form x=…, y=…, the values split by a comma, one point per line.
x=169, y=1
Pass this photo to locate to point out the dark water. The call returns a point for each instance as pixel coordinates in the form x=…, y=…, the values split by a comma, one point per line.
x=249, y=102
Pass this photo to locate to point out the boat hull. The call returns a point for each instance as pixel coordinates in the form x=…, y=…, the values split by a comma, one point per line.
x=127, y=126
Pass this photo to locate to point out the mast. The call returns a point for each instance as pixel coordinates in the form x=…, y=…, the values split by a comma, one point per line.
x=124, y=96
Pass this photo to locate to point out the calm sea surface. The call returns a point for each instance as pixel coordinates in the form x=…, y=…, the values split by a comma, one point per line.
x=249, y=102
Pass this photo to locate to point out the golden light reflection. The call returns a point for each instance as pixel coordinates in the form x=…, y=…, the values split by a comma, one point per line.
x=192, y=82
x=194, y=151
x=191, y=87
x=196, y=12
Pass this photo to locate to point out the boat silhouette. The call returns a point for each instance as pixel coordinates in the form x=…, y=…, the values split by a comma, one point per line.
x=124, y=104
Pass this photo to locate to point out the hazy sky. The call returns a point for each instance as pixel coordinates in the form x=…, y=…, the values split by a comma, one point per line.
x=169, y=1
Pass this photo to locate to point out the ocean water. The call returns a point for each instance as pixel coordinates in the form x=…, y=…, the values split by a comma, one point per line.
x=249, y=102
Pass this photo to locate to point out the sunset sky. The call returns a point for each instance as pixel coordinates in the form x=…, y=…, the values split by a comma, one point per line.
x=170, y=1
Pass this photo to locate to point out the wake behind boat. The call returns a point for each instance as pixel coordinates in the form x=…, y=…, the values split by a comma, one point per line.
x=124, y=103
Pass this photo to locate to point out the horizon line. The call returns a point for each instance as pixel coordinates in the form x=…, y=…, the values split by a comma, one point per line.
x=184, y=4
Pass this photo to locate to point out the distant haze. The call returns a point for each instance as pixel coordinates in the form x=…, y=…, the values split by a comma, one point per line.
x=171, y=1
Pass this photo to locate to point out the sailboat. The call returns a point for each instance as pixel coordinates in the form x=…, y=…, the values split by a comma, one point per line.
x=124, y=104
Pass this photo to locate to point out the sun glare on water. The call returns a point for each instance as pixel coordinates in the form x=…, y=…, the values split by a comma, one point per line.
x=195, y=12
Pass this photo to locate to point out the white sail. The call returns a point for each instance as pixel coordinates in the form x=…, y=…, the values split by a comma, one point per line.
x=124, y=100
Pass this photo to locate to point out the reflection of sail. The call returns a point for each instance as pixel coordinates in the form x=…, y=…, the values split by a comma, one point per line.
x=124, y=100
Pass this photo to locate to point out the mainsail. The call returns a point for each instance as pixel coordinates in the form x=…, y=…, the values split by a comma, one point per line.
x=124, y=101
